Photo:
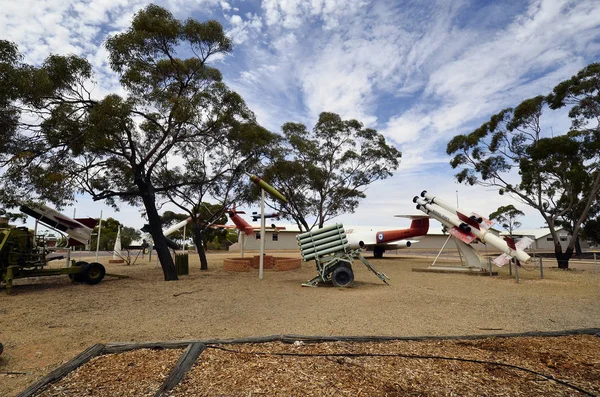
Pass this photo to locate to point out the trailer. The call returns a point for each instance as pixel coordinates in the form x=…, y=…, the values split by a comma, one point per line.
x=329, y=248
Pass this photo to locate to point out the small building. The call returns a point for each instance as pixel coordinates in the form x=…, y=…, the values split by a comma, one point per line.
x=542, y=239
x=284, y=238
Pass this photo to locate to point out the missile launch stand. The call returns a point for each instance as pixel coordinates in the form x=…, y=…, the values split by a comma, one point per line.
x=329, y=248
x=473, y=261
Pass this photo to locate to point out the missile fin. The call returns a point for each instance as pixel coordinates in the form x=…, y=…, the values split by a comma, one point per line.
x=510, y=242
x=502, y=260
x=468, y=220
x=467, y=238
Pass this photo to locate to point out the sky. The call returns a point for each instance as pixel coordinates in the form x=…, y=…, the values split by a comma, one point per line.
x=419, y=72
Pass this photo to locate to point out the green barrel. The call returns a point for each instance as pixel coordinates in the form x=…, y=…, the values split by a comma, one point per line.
x=182, y=266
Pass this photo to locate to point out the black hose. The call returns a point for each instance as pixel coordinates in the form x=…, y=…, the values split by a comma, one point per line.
x=549, y=377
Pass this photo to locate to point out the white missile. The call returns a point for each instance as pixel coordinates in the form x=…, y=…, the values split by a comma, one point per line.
x=177, y=226
x=484, y=223
x=468, y=229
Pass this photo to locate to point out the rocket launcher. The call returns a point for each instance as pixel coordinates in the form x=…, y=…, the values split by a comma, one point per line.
x=328, y=246
x=322, y=242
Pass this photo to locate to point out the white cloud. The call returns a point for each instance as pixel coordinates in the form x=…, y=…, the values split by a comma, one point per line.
x=420, y=72
x=242, y=30
x=291, y=14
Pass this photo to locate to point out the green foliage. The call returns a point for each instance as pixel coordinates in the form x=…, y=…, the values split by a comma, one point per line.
x=507, y=217
x=117, y=148
x=558, y=175
x=108, y=235
x=324, y=172
x=591, y=230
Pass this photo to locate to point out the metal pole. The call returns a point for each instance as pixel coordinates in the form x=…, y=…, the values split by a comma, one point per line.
x=98, y=241
x=541, y=268
x=595, y=263
x=510, y=267
x=243, y=242
x=440, y=253
x=516, y=271
x=262, y=233
x=490, y=263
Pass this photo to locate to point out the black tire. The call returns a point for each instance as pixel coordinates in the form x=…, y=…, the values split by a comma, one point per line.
x=342, y=276
x=378, y=252
x=93, y=273
x=78, y=277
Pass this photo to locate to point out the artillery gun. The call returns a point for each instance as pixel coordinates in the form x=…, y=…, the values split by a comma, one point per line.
x=24, y=254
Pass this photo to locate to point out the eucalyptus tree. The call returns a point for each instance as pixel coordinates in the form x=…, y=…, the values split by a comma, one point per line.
x=324, y=172
x=119, y=147
x=213, y=178
x=553, y=174
x=507, y=216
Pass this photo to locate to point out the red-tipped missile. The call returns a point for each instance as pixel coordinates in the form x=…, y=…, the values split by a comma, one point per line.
x=268, y=188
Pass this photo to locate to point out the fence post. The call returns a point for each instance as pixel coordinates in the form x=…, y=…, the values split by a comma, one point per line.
x=516, y=270
x=541, y=268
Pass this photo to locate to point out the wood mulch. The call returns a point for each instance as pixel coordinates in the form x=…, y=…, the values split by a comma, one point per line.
x=571, y=365
x=135, y=373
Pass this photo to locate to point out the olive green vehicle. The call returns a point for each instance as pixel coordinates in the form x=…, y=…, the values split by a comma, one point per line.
x=24, y=255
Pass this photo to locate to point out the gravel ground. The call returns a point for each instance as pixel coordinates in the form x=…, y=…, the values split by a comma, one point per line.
x=48, y=321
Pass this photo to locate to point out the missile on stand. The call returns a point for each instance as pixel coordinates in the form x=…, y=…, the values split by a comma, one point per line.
x=268, y=188
x=467, y=228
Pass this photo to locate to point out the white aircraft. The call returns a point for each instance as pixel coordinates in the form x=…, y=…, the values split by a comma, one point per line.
x=380, y=240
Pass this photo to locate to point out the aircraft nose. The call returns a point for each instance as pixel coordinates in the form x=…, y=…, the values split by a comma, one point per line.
x=361, y=244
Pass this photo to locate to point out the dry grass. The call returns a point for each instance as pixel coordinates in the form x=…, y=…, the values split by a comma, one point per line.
x=48, y=321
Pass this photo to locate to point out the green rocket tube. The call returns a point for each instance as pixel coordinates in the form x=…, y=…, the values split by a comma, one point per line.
x=268, y=188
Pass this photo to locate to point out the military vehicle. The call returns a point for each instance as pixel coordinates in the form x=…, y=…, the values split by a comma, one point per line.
x=23, y=253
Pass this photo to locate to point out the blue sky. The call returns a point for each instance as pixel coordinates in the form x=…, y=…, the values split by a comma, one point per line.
x=419, y=72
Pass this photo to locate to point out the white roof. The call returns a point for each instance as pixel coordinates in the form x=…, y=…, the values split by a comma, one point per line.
x=536, y=233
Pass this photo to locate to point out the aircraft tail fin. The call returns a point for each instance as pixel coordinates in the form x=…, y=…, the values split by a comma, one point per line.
x=420, y=223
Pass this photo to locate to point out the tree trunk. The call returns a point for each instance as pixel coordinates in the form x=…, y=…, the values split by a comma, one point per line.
x=578, y=250
x=562, y=258
x=160, y=243
x=200, y=247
